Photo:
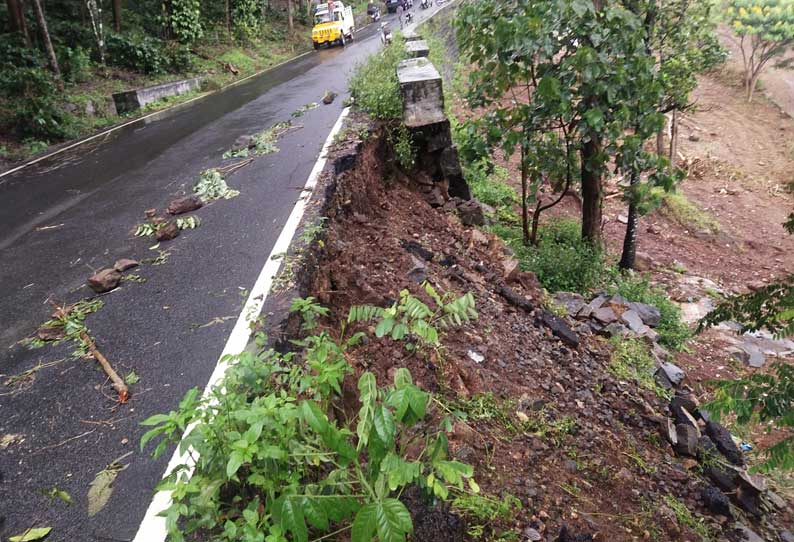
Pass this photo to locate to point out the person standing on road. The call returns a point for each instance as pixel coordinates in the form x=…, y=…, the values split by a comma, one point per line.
x=400, y=10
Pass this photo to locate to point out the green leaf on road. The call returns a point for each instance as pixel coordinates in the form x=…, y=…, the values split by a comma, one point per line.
x=31, y=534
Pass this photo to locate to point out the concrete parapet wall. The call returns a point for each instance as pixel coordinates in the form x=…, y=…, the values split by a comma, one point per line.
x=133, y=100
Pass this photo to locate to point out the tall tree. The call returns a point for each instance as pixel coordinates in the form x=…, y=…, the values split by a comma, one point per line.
x=290, y=22
x=95, y=13
x=117, y=15
x=45, y=37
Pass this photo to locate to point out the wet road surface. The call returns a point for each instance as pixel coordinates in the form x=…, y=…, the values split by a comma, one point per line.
x=64, y=217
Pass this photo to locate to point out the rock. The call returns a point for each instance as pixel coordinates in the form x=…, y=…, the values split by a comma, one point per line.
x=123, y=264
x=748, y=353
x=623, y=219
x=650, y=335
x=104, y=280
x=329, y=97
x=689, y=419
x=509, y=269
x=605, y=315
x=687, y=440
x=716, y=501
x=150, y=213
x=668, y=432
x=746, y=535
x=560, y=329
x=674, y=374
x=694, y=138
x=680, y=402
x=654, y=229
x=51, y=333
x=724, y=476
x=184, y=205
x=471, y=213
x=532, y=535
x=776, y=500
x=692, y=312
x=478, y=237
x=724, y=441
x=475, y=356
x=598, y=302
x=643, y=262
x=649, y=314
x=572, y=302
x=615, y=329
x=418, y=272
x=619, y=302
x=417, y=249
x=90, y=109
x=633, y=320
x=168, y=231
x=786, y=536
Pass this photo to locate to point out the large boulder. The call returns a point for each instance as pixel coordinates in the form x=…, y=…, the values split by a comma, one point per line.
x=560, y=329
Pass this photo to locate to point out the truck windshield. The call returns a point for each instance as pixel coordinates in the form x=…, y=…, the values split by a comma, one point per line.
x=322, y=17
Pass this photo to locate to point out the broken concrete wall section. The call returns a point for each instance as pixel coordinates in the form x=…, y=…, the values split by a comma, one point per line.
x=439, y=172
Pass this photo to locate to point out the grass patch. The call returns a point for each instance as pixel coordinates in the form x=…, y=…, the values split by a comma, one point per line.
x=679, y=208
x=632, y=361
x=374, y=84
x=482, y=511
x=673, y=333
x=562, y=261
x=685, y=518
x=488, y=184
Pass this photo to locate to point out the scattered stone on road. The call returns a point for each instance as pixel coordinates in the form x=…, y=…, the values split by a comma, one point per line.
x=168, y=232
x=184, y=205
x=104, y=280
x=123, y=264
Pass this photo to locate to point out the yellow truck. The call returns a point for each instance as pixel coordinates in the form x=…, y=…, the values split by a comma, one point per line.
x=333, y=23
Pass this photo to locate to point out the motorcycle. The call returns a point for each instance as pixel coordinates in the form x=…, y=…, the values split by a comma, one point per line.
x=375, y=15
x=425, y=4
x=409, y=17
x=385, y=34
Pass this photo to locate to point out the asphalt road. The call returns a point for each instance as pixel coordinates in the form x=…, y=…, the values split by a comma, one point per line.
x=66, y=216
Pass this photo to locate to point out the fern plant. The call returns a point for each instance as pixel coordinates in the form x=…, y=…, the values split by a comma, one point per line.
x=269, y=464
x=413, y=319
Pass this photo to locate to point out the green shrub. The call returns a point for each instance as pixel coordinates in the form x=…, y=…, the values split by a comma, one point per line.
x=562, y=261
x=374, y=84
x=673, y=333
x=138, y=53
x=487, y=184
x=75, y=64
x=679, y=208
x=179, y=59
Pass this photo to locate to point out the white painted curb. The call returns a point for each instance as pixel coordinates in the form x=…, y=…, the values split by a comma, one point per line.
x=152, y=528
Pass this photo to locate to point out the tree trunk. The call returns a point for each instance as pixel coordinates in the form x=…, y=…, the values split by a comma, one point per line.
x=117, y=15
x=630, y=239
x=592, y=195
x=228, y=18
x=673, y=137
x=524, y=210
x=45, y=37
x=533, y=236
x=660, y=150
x=16, y=19
x=289, y=16
x=95, y=12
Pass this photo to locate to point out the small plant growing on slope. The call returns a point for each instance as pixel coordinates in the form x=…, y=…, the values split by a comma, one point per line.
x=272, y=465
x=412, y=319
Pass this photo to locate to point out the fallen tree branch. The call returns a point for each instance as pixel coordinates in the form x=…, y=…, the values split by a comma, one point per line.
x=118, y=383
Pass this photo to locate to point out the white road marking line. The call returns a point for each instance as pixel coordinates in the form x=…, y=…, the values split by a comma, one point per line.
x=152, y=528
x=150, y=115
